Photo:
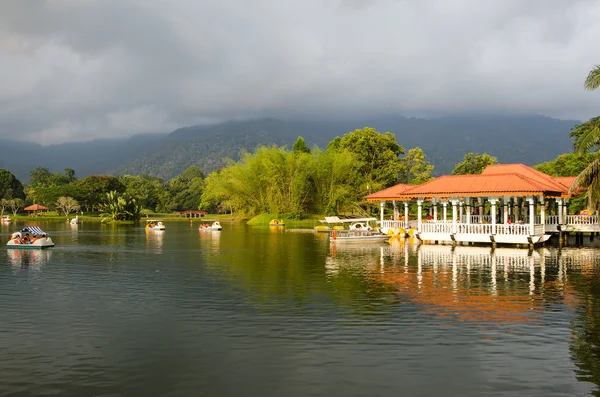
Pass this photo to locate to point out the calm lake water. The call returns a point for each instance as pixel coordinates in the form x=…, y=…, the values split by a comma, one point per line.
x=252, y=311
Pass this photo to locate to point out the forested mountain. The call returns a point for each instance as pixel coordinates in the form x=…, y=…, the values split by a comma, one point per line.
x=525, y=139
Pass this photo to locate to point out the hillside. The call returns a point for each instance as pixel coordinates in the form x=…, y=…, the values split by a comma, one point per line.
x=525, y=139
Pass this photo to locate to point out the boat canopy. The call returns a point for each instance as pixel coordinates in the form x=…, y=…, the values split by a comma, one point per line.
x=335, y=219
x=33, y=230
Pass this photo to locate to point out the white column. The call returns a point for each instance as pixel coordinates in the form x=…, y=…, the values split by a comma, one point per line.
x=531, y=201
x=406, y=213
x=381, y=208
x=419, y=216
x=469, y=208
x=493, y=202
x=560, y=211
x=395, y=216
x=454, y=202
x=566, y=209
x=435, y=210
x=505, y=209
x=460, y=211
x=543, y=213
x=480, y=202
x=445, y=214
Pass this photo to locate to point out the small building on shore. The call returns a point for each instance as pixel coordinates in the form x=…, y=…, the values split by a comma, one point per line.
x=506, y=204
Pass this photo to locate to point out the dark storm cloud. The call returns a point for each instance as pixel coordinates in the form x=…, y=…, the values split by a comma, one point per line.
x=81, y=69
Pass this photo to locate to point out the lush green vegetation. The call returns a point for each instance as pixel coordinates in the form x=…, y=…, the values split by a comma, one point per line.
x=474, y=163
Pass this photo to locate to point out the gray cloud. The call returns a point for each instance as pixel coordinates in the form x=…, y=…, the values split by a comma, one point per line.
x=82, y=69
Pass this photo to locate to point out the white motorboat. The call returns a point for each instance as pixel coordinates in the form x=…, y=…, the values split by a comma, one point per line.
x=30, y=237
x=154, y=225
x=207, y=226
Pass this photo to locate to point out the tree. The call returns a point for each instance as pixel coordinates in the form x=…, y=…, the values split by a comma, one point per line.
x=10, y=186
x=587, y=136
x=474, y=163
x=67, y=205
x=92, y=189
x=567, y=164
x=15, y=205
x=416, y=168
x=300, y=146
x=593, y=79
x=3, y=205
x=377, y=157
x=120, y=207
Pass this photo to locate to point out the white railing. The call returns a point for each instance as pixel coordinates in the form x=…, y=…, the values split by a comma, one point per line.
x=538, y=229
x=513, y=229
x=474, y=228
x=481, y=219
x=434, y=227
x=552, y=220
x=582, y=220
x=392, y=224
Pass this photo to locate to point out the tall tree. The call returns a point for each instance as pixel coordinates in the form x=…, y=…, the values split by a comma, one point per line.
x=67, y=205
x=15, y=205
x=587, y=137
x=474, y=163
x=567, y=164
x=377, y=155
x=300, y=146
x=10, y=186
x=416, y=168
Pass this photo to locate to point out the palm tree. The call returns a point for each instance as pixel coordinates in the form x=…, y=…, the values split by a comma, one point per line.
x=593, y=80
x=587, y=137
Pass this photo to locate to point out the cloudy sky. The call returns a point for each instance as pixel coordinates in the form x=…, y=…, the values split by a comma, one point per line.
x=82, y=69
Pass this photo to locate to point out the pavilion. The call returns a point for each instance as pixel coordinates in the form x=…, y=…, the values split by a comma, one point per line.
x=507, y=203
x=35, y=209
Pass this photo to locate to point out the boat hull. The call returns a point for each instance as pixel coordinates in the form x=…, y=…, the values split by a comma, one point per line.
x=358, y=237
x=38, y=244
x=211, y=229
x=156, y=228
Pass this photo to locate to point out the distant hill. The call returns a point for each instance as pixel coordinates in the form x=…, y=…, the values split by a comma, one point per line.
x=524, y=139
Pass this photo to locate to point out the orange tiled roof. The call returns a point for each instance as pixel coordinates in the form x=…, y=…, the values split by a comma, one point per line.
x=526, y=171
x=496, y=180
x=481, y=185
x=566, y=181
x=390, y=192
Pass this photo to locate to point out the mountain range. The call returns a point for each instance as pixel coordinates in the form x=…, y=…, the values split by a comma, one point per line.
x=445, y=140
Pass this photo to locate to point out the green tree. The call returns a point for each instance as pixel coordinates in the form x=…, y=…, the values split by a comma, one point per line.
x=416, y=168
x=144, y=188
x=377, y=156
x=593, y=79
x=15, y=205
x=587, y=137
x=10, y=186
x=3, y=206
x=120, y=207
x=67, y=205
x=474, y=163
x=92, y=189
x=184, y=192
x=300, y=146
x=567, y=164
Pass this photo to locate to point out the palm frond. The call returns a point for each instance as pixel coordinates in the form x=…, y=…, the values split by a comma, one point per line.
x=593, y=79
x=589, y=177
x=587, y=135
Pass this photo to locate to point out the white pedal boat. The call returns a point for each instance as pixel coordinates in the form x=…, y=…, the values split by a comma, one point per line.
x=30, y=237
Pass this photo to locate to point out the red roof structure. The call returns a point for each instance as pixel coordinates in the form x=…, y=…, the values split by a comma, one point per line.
x=36, y=207
x=496, y=180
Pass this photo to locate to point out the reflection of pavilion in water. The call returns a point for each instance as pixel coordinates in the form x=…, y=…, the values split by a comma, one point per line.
x=29, y=259
x=154, y=240
x=472, y=283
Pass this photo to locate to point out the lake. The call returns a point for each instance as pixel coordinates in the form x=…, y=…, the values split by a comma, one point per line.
x=258, y=311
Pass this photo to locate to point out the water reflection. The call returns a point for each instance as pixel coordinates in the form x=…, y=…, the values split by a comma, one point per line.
x=32, y=259
x=154, y=240
x=211, y=238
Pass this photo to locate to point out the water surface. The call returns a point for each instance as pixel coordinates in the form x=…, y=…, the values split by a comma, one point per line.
x=256, y=311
